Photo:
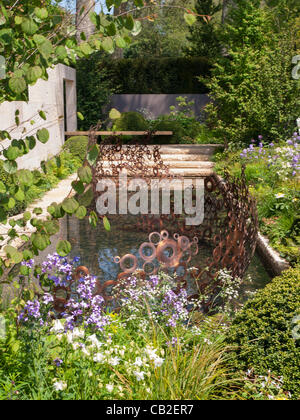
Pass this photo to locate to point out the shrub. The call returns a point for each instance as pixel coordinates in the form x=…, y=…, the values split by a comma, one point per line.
x=165, y=123
x=94, y=89
x=131, y=121
x=144, y=76
x=253, y=91
x=77, y=146
x=262, y=331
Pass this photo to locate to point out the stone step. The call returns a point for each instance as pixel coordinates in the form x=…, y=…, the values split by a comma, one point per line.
x=186, y=157
x=189, y=164
x=185, y=149
x=172, y=164
x=193, y=149
x=192, y=172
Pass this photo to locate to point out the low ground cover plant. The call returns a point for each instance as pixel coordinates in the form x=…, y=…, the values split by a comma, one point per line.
x=272, y=171
x=50, y=174
x=150, y=349
x=155, y=346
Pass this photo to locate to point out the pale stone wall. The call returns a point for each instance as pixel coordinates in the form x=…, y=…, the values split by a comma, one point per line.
x=157, y=104
x=49, y=97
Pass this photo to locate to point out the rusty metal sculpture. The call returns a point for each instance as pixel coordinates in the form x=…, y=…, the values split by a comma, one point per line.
x=229, y=228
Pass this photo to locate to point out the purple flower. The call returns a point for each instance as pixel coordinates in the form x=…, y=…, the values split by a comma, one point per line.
x=58, y=362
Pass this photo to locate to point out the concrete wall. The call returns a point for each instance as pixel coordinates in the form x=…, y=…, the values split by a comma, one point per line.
x=49, y=97
x=156, y=104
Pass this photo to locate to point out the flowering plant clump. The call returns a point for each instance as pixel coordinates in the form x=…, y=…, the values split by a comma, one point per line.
x=83, y=306
x=282, y=159
x=267, y=387
x=154, y=298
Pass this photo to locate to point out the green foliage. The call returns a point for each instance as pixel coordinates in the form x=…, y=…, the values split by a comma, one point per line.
x=32, y=40
x=164, y=123
x=147, y=75
x=252, y=86
x=277, y=195
x=164, y=35
x=77, y=146
x=131, y=121
x=203, y=36
x=94, y=89
x=262, y=331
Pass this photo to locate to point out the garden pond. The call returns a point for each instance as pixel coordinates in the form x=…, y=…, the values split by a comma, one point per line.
x=97, y=248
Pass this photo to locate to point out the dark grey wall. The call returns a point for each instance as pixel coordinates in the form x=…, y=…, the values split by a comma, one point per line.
x=156, y=104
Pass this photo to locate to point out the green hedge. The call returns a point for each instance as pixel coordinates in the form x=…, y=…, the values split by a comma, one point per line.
x=262, y=331
x=147, y=75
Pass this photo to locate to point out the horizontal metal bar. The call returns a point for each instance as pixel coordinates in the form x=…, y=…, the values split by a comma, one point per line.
x=117, y=133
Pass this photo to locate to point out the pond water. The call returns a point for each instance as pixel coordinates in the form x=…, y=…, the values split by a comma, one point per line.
x=97, y=248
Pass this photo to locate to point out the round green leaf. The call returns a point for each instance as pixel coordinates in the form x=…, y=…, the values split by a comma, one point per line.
x=33, y=74
x=121, y=43
x=86, y=48
x=45, y=48
x=20, y=196
x=39, y=39
x=63, y=248
x=2, y=188
x=41, y=13
x=10, y=166
x=108, y=45
x=86, y=198
x=11, y=153
x=93, y=154
x=80, y=212
x=78, y=186
x=61, y=52
x=40, y=241
x=26, y=216
x=17, y=85
x=106, y=223
x=85, y=174
x=11, y=203
x=25, y=177
x=28, y=26
x=43, y=135
x=137, y=28
x=70, y=205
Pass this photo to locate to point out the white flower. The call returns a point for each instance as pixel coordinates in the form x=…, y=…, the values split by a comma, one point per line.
x=138, y=362
x=114, y=361
x=75, y=346
x=158, y=361
x=94, y=340
x=279, y=195
x=109, y=387
x=139, y=375
x=60, y=386
x=151, y=353
x=78, y=333
x=99, y=358
x=57, y=326
x=84, y=350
